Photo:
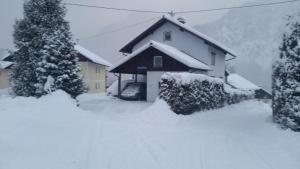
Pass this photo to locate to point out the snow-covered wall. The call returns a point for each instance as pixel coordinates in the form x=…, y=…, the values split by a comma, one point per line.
x=153, y=79
x=190, y=44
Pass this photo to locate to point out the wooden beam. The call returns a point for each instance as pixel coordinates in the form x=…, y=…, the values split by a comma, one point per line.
x=135, y=78
x=119, y=84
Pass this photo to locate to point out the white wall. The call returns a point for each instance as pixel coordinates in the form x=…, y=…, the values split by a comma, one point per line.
x=190, y=44
x=153, y=79
x=219, y=67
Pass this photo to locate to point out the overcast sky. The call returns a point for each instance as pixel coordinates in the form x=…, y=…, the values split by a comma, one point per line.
x=86, y=22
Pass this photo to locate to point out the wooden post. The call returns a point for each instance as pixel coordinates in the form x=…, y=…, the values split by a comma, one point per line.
x=119, y=85
x=136, y=76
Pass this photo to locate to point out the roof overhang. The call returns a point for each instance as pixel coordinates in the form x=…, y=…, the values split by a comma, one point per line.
x=91, y=56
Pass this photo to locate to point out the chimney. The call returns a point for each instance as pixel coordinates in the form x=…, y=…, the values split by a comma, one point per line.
x=181, y=20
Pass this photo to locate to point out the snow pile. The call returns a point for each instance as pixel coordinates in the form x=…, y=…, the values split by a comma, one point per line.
x=131, y=91
x=132, y=136
x=4, y=93
x=159, y=114
x=113, y=88
x=50, y=132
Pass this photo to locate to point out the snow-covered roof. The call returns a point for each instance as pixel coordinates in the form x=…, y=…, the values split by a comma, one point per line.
x=240, y=82
x=170, y=51
x=5, y=55
x=201, y=35
x=4, y=64
x=92, y=56
x=183, y=26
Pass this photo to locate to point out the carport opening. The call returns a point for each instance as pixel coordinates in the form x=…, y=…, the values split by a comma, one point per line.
x=132, y=86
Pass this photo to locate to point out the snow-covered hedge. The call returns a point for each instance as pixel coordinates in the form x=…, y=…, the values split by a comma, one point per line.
x=235, y=95
x=187, y=92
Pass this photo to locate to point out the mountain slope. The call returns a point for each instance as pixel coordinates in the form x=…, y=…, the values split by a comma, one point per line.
x=255, y=34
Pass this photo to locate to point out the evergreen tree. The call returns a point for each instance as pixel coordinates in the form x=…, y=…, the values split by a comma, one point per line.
x=286, y=78
x=45, y=51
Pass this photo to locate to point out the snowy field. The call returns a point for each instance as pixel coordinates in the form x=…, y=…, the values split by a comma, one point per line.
x=106, y=133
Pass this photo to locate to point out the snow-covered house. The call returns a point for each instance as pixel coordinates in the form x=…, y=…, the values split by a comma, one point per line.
x=93, y=70
x=239, y=82
x=170, y=45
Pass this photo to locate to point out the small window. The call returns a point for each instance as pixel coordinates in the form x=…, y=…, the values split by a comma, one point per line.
x=157, y=61
x=98, y=69
x=213, y=58
x=167, y=36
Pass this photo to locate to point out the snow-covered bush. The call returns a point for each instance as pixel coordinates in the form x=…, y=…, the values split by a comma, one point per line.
x=187, y=92
x=286, y=78
x=236, y=95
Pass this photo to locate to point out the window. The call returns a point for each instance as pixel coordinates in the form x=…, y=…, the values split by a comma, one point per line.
x=167, y=36
x=213, y=58
x=98, y=69
x=157, y=61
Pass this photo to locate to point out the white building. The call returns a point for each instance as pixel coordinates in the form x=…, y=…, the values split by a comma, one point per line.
x=171, y=45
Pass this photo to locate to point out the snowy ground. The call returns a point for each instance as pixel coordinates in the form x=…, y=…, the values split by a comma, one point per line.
x=106, y=133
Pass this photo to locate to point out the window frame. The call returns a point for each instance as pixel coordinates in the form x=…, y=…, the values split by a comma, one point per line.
x=98, y=69
x=213, y=58
x=165, y=35
x=155, y=65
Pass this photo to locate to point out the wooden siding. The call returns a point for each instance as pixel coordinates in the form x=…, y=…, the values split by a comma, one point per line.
x=143, y=62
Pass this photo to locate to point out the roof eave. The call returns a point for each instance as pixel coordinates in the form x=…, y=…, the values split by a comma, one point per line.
x=128, y=47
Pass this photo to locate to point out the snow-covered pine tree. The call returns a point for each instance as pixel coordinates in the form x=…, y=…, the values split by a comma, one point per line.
x=51, y=47
x=286, y=78
x=23, y=78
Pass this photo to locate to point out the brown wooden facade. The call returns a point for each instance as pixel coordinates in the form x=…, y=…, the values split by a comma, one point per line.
x=143, y=62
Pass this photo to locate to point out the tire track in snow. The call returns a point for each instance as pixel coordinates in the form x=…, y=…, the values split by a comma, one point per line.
x=118, y=109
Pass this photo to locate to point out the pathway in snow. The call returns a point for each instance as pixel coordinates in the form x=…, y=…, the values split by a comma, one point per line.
x=238, y=136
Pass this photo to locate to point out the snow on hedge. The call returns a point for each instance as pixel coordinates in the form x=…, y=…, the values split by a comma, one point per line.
x=186, y=78
x=189, y=92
